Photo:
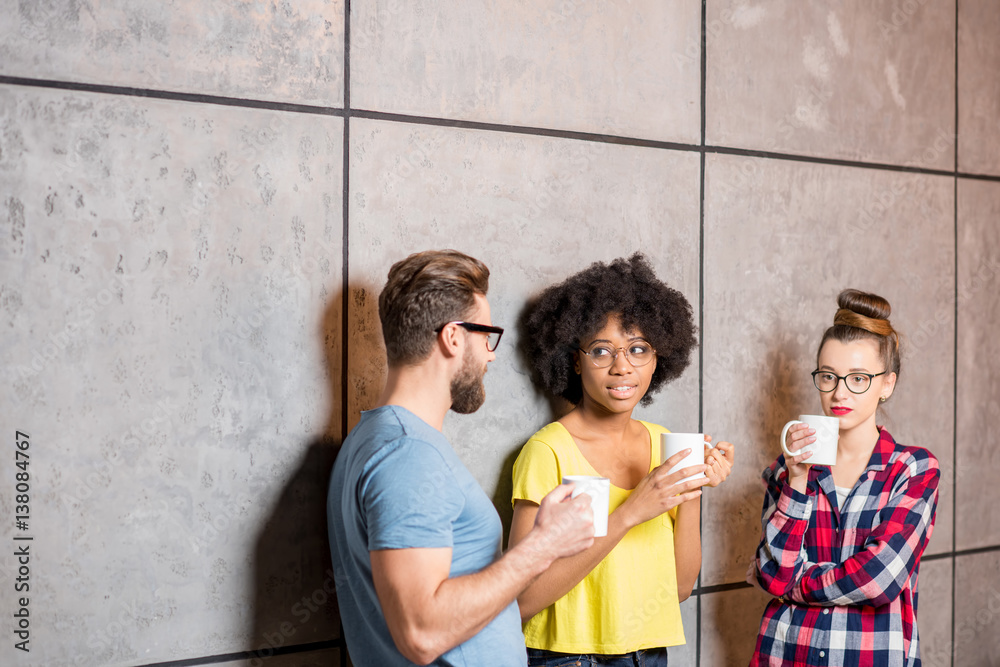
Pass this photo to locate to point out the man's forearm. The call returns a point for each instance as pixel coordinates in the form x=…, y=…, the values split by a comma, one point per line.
x=426, y=626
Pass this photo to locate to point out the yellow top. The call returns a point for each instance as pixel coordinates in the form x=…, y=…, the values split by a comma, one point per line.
x=629, y=601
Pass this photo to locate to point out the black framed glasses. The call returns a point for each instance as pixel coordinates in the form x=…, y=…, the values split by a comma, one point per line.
x=856, y=383
x=603, y=355
x=493, y=334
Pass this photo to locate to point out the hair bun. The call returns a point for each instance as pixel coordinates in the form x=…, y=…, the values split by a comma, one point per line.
x=862, y=316
x=864, y=310
x=864, y=303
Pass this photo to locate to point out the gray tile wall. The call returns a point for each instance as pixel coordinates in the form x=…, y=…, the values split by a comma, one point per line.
x=188, y=274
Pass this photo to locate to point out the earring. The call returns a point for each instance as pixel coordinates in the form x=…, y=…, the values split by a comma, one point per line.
x=881, y=399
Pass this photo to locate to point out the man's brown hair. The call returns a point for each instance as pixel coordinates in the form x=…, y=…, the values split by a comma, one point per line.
x=423, y=292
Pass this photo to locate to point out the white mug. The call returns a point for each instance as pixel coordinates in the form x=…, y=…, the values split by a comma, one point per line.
x=599, y=490
x=671, y=443
x=827, y=434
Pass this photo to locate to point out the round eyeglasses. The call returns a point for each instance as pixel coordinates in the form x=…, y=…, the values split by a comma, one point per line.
x=493, y=334
x=603, y=355
x=856, y=383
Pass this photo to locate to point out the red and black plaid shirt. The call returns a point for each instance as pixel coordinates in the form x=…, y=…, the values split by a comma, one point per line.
x=845, y=579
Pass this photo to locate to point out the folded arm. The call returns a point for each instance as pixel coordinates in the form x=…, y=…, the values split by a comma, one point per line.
x=429, y=613
x=874, y=576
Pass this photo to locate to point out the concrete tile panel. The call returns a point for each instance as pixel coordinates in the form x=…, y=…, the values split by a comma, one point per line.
x=934, y=612
x=535, y=210
x=686, y=655
x=978, y=417
x=855, y=80
x=729, y=624
x=977, y=609
x=978, y=87
x=783, y=239
x=628, y=68
x=289, y=52
x=170, y=295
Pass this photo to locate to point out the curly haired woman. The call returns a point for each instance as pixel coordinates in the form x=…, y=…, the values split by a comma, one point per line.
x=606, y=340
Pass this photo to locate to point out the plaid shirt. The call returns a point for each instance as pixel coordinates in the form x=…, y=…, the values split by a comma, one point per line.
x=845, y=582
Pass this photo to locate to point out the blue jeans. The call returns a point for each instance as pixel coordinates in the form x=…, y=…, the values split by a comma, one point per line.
x=650, y=657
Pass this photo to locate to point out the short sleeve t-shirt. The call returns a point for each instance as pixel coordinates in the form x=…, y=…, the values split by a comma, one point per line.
x=629, y=601
x=398, y=484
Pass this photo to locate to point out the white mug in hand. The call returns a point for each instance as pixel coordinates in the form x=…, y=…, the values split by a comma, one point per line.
x=672, y=443
x=827, y=434
x=599, y=490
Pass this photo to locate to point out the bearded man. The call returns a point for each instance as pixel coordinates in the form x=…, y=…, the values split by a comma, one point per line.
x=416, y=543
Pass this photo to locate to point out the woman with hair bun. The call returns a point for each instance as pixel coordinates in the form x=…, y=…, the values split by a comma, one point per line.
x=605, y=340
x=841, y=544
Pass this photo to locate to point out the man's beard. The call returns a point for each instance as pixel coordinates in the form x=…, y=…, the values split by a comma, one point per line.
x=467, y=390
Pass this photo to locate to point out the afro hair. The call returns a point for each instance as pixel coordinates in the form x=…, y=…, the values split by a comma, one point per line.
x=553, y=325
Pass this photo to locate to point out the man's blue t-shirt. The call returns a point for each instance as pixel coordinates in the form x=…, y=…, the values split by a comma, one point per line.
x=398, y=484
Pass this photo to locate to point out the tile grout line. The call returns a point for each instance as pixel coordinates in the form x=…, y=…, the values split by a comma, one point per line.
x=248, y=655
x=622, y=140
x=944, y=555
x=701, y=304
x=580, y=135
x=345, y=238
x=345, y=151
x=954, y=397
x=169, y=95
x=199, y=98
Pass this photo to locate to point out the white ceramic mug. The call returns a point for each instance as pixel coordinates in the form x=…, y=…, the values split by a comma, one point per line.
x=827, y=434
x=671, y=443
x=599, y=490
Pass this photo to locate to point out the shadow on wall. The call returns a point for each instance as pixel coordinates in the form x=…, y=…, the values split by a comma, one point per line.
x=558, y=407
x=502, y=495
x=739, y=624
x=294, y=594
x=505, y=482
